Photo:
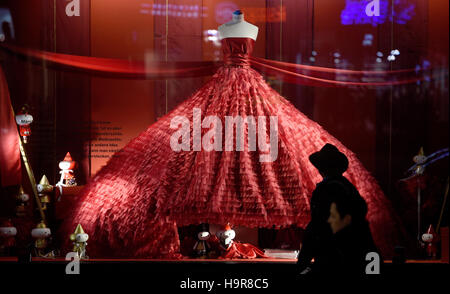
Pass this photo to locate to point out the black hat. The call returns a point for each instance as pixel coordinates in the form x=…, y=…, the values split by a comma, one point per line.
x=203, y=227
x=329, y=158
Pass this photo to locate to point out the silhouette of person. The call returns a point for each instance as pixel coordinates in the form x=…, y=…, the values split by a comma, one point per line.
x=352, y=239
x=331, y=164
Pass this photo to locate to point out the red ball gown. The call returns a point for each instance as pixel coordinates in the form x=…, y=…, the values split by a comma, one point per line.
x=133, y=205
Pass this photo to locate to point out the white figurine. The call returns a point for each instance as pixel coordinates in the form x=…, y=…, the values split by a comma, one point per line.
x=24, y=120
x=226, y=236
x=67, y=177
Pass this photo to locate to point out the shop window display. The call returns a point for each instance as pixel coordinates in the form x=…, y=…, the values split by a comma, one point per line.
x=187, y=130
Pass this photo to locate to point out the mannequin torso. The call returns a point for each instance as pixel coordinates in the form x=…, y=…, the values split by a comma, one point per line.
x=238, y=28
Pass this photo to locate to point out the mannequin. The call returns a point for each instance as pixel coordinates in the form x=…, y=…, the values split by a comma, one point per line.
x=238, y=28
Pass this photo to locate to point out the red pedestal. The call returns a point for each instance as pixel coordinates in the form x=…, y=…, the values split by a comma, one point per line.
x=63, y=202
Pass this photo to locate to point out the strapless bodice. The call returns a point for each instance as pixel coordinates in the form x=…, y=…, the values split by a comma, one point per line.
x=236, y=51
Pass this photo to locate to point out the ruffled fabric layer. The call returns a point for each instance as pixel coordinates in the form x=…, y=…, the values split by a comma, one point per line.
x=133, y=205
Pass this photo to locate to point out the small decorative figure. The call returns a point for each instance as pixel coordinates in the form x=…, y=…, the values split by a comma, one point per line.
x=23, y=119
x=416, y=180
x=226, y=237
x=42, y=235
x=233, y=249
x=79, y=238
x=202, y=247
x=420, y=159
x=7, y=238
x=67, y=175
x=44, y=188
x=21, y=202
x=431, y=239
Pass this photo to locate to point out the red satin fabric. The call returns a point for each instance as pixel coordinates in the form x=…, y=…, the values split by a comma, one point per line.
x=239, y=250
x=323, y=77
x=115, y=68
x=133, y=205
x=236, y=51
x=10, y=164
x=316, y=69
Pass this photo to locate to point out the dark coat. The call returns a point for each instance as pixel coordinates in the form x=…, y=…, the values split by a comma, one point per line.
x=318, y=237
x=348, y=251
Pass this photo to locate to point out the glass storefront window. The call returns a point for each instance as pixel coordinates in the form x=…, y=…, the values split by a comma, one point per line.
x=368, y=76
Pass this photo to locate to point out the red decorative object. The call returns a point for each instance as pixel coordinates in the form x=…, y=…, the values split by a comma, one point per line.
x=239, y=250
x=431, y=239
x=235, y=250
x=24, y=119
x=10, y=163
x=133, y=205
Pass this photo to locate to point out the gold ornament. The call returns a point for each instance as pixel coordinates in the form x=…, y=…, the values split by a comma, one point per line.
x=41, y=225
x=78, y=230
x=44, y=188
x=421, y=151
x=22, y=199
x=41, y=233
x=79, y=238
x=420, y=160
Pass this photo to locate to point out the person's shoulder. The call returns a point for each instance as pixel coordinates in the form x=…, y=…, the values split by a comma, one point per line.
x=320, y=186
x=344, y=180
x=336, y=181
x=349, y=185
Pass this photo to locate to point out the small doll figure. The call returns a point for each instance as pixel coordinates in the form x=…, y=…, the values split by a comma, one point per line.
x=23, y=119
x=67, y=176
x=79, y=238
x=7, y=238
x=202, y=247
x=416, y=179
x=226, y=237
x=233, y=249
x=21, y=202
x=420, y=160
x=44, y=188
x=42, y=235
x=431, y=239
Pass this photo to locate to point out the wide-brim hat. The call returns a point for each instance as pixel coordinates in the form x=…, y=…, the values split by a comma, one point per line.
x=329, y=158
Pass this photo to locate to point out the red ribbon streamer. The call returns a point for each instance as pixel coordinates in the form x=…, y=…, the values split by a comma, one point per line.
x=116, y=68
x=287, y=72
x=310, y=68
x=297, y=78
